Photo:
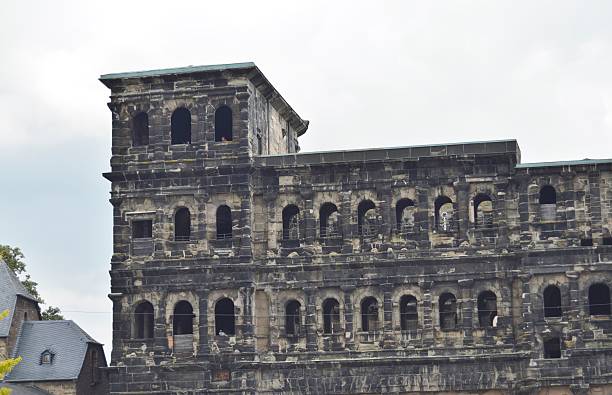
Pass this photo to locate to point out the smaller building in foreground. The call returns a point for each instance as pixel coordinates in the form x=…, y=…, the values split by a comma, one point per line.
x=58, y=357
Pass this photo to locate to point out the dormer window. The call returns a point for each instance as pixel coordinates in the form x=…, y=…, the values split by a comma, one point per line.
x=46, y=358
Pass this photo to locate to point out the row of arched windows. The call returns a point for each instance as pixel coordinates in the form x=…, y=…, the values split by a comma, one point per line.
x=599, y=300
x=225, y=319
x=180, y=126
x=367, y=221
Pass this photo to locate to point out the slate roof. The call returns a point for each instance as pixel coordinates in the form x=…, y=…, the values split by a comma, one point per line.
x=65, y=339
x=10, y=289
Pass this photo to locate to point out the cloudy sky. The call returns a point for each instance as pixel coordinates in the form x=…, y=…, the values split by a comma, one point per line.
x=366, y=74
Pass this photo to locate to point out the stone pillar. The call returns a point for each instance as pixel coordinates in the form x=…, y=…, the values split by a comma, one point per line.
x=463, y=208
x=309, y=221
x=428, y=328
x=348, y=316
x=525, y=334
x=344, y=211
x=523, y=207
x=203, y=347
x=577, y=308
x=311, y=316
x=388, y=338
x=247, y=333
x=500, y=219
x=119, y=322
x=245, y=225
x=594, y=205
x=384, y=197
x=422, y=226
x=467, y=310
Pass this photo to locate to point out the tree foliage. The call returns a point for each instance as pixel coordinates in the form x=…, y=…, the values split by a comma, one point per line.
x=14, y=259
x=8, y=364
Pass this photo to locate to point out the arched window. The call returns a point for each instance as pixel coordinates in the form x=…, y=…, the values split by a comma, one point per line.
x=225, y=319
x=548, y=203
x=599, y=299
x=448, y=311
x=25, y=316
x=292, y=318
x=552, y=301
x=483, y=211
x=404, y=215
x=180, y=126
x=487, y=308
x=331, y=316
x=443, y=213
x=552, y=348
x=182, y=319
x=223, y=124
x=291, y=222
x=369, y=314
x=143, y=321
x=224, y=223
x=328, y=220
x=366, y=218
x=408, y=313
x=140, y=129
x=182, y=224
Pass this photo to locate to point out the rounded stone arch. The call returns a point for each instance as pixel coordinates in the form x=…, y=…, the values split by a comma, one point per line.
x=478, y=197
x=358, y=297
x=401, y=192
x=139, y=124
x=584, y=285
x=143, y=320
x=320, y=298
x=537, y=292
x=171, y=299
x=436, y=293
x=213, y=298
x=396, y=296
x=495, y=288
x=223, y=122
x=357, y=197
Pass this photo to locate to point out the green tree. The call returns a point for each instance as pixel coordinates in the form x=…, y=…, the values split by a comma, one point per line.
x=14, y=259
x=8, y=364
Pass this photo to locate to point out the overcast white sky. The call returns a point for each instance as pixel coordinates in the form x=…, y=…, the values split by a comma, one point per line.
x=366, y=74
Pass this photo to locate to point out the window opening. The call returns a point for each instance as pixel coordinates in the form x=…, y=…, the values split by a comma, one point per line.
x=143, y=320
x=182, y=224
x=448, y=311
x=369, y=314
x=552, y=302
x=180, y=126
x=182, y=318
x=408, y=313
x=404, y=214
x=552, y=348
x=140, y=129
x=225, y=319
x=443, y=214
x=328, y=220
x=548, y=203
x=292, y=318
x=599, y=299
x=366, y=219
x=331, y=316
x=46, y=358
x=291, y=222
x=586, y=242
x=223, y=124
x=224, y=223
x=487, y=309
x=483, y=211
x=142, y=229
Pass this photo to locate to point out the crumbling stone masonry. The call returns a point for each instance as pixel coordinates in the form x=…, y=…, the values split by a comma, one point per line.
x=241, y=266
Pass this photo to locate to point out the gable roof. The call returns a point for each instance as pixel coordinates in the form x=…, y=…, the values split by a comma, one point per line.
x=10, y=289
x=65, y=339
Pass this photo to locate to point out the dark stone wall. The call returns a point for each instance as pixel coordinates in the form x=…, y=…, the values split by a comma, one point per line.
x=514, y=252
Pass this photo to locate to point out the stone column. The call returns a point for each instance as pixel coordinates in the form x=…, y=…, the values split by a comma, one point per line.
x=467, y=310
x=203, y=347
x=309, y=220
x=245, y=226
x=594, y=204
x=388, y=338
x=348, y=316
x=500, y=219
x=525, y=335
x=428, y=328
x=575, y=309
x=311, y=315
x=384, y=197
x=422, y=225
x=247, y=333
x=344, y=211
x=119, y=322
x=463, y=207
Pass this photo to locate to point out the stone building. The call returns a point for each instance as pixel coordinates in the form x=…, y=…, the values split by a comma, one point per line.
x=58, y=357
x=243, y=266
